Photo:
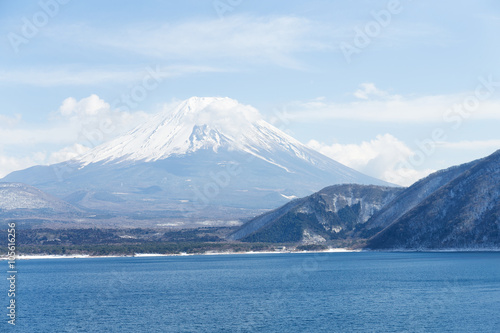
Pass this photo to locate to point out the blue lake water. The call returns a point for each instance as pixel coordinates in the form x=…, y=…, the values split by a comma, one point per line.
x=332, y=292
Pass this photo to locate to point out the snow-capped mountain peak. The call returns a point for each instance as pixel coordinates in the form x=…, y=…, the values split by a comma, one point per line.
x=194, y=124
x=202, y=152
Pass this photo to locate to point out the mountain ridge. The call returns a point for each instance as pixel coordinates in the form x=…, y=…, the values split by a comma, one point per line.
x=334, y=212
x=22, y=197
x=454, y=208
x=465, y=213
x=212, y=158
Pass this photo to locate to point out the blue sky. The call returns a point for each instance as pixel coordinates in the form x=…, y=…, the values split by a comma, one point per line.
x=395, y=89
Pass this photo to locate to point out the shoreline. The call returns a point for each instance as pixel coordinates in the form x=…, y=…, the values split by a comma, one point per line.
x=331, y=250
x=144, y=255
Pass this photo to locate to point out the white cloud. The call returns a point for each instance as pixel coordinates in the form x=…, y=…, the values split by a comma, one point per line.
x=241, y=38
x=368, y=90
x=89, y=106
x=9, y=164
x=83, y=124
x=194, y=46
x=230, y=116
x=245, y=38
x=71, y=76
x=71, y=130
x=375, y=105
x=382, y=157
x=88, y=121
x=9, y=121
x=94, y=121
x=66, y=153
x=472, y=144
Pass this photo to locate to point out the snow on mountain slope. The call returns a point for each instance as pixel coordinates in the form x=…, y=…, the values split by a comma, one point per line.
x=208, y=123
x=204, y=152
x=21, y=196
x=332, y=213
x=414, y=195
x=463, y=213
x=197, y=123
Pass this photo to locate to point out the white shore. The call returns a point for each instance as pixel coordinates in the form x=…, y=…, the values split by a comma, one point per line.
x=82, y=256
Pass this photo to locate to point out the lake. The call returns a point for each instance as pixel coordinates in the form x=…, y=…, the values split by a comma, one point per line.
x=302, y=292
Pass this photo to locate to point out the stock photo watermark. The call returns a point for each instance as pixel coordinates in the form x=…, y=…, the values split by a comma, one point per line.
x=140, y=91
x=31, y=26
x=292, y=278
x=364, y=36
x=114, y=283
x=222, y=7
x=98, y=129
x=455, y=117
x=11, y=272
x=217, y=181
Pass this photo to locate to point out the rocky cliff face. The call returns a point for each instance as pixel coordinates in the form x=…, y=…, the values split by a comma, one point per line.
x=332, y=213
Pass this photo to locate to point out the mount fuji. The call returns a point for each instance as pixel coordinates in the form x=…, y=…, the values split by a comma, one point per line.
x=207, y=158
